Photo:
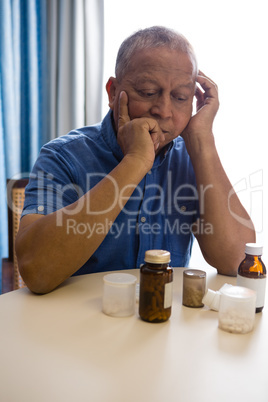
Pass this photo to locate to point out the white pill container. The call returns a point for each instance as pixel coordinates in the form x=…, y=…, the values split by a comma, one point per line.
x=237, y=309
x=119, y=294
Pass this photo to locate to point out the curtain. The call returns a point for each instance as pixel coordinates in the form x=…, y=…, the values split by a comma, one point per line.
x=51, y=68
x=75, y=43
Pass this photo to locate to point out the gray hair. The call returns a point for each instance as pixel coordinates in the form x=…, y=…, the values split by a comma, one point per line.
x=150, y=38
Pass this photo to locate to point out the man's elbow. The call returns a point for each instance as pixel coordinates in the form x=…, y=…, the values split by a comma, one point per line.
x=229, y=270
x=28, y=266
x=30, y=271
x=226, y=261
x=32, y=279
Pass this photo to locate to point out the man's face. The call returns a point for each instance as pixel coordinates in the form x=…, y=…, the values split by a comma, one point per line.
x=160, y=84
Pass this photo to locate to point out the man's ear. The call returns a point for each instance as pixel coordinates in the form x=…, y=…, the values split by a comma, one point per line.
x=111, y=90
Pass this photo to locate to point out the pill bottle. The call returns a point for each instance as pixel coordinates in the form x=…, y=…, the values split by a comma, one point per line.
x=237, y=310
x=156, y=279
x=252, y=273
x=119, y=294
x=194, y=287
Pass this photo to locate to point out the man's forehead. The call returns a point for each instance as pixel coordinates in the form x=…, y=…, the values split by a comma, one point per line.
x=185, y=80
x=144, y=65
x=145, y=78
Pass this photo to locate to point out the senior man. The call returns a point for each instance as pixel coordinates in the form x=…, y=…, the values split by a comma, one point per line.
x=147, y=177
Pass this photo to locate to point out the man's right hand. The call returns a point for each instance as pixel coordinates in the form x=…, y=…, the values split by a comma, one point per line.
x=139, y=138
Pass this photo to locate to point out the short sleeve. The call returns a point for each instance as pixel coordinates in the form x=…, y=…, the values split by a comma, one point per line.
x=51, y=183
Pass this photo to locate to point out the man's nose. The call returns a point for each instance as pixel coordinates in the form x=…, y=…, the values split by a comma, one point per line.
x=162, y=107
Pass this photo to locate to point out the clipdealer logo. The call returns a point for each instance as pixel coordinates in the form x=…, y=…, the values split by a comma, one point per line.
x=165, y=200
x=130, y=225
x=51, y=194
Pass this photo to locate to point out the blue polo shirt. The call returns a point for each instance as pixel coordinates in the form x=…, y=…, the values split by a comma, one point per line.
x=159, y=214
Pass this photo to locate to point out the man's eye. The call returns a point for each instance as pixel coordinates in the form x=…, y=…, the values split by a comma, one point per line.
x=180, y=98
x=146, y=93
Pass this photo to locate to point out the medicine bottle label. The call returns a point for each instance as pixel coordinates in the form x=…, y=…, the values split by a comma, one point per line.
x=258, y=284
x=168, y=295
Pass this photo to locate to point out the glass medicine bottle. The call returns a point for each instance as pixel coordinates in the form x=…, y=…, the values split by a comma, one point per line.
x=156, y=278
x=252, y=273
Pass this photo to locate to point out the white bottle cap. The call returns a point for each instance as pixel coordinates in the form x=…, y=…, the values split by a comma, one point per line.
x=212, y=299
x=253, y=249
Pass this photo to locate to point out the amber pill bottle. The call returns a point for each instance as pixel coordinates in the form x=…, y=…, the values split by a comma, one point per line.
x=252, y=273
x=156, y=279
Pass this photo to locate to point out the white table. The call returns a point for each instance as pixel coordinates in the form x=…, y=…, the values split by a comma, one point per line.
x=61, y=347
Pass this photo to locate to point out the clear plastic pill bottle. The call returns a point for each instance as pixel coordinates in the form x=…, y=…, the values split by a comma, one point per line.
x=156, y=279
x=237, y=310
x=119, y=294
x=252, y=273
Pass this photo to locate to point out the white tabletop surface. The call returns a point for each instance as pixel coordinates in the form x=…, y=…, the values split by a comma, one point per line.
x=61, y=347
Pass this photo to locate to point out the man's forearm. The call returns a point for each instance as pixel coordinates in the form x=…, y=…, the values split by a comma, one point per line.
x=231, y=226
x=48, y=254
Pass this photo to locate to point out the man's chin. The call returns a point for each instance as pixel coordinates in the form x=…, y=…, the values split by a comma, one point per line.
x=160, y=148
